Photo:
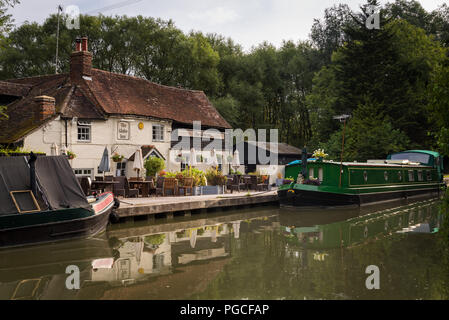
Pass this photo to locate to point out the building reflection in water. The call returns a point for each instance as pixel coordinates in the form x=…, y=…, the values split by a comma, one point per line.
x=180, y=259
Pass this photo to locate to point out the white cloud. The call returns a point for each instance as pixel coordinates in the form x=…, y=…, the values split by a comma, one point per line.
x=214, y=16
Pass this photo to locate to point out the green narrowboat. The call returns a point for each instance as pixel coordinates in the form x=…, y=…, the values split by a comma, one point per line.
x=328, y=183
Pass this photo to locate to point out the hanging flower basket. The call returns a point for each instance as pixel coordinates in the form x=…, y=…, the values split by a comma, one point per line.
x=71, y=155
x=117, y=157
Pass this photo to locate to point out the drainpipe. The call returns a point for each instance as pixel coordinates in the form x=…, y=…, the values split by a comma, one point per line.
x=65, y=132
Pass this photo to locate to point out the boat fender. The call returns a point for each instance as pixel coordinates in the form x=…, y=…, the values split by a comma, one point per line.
x=116, y=203
x=114, y=217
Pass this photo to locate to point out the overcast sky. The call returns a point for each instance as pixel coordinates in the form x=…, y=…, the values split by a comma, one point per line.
x=248, y=22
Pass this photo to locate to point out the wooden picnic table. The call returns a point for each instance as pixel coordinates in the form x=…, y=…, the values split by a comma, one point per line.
x=103, y=185
x=146, y=186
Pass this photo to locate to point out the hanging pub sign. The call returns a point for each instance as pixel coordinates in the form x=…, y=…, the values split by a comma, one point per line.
x=123, y=130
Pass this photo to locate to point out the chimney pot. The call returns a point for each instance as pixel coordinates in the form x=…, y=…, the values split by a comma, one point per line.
x=78, y=44
x=84, y=43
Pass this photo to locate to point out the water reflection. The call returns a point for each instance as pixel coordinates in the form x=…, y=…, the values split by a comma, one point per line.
x=268, y=253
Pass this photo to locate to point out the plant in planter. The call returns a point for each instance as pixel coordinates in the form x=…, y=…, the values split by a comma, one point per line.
x=153, y=165
x=312, y=181
x=155, y=239
x=117, y=157
x=71, y=155
x=215, y=178
x=319, y=154
x=288, y=180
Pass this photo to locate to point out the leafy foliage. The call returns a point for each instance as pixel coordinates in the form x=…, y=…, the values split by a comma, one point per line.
x=153, y=165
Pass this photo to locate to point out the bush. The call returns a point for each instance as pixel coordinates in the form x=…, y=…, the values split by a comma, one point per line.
x=153, y=165
x=215, y=178
x=199, y=178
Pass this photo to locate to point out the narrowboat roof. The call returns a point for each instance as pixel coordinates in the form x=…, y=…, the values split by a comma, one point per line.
x=372, y=164
x=433, y=153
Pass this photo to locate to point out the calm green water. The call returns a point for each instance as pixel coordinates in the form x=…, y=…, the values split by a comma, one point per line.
x=265, y=253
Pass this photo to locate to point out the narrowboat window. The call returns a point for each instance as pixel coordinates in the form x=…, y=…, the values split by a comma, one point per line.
x=420, y=176
x=320, y=174
x=411, y=176
x=400, y=175
x=429, y=175
x=365, y=176
x=386, y=175
x=311, y=173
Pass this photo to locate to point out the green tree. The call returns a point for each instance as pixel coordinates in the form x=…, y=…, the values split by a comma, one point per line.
x=439, y=111
x=368, y=135
x=153, y=165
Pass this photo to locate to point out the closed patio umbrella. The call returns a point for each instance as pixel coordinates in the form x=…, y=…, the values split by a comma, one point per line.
x=214, y=159
x=193, y=235
x=54, y=149
x=192, y=160
x=138, y=162
x=104, y=163
x=236, y=160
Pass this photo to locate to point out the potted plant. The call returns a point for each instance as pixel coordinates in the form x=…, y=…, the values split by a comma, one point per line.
x=215, y=182
x=71, y=155
x=319, y=154
x=288, y=180
x=117, y=157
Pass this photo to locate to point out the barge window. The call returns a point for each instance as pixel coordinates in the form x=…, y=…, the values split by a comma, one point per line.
x=429, y=175
x=420, y=176
x=386, y=175
x=311, y=173
x=320, y=174
x=400, y=175
x=365, y=176
x=411, y=175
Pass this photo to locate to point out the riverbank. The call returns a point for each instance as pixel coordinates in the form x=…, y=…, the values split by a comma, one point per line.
x=187, y=205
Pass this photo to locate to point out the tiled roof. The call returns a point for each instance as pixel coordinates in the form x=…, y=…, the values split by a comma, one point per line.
x=14, y=89
x=127, y=95
x=106, y=94
x=282, y=148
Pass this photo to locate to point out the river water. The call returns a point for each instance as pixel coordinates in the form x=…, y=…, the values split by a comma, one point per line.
x=262, y=253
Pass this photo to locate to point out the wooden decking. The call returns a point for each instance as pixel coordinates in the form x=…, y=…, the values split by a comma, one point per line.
x=132, y=207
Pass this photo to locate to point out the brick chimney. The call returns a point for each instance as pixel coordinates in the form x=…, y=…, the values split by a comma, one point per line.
x=44, y=107
x=80, y=62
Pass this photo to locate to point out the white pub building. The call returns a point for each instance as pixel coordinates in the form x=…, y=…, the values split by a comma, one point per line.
x=86, y=110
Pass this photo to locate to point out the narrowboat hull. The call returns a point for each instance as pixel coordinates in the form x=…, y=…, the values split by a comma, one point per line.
x=313, y=196
x=56, y=225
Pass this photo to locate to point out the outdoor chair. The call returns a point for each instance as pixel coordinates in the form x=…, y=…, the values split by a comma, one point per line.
x=108, y=178
x=170, y=184
x=229, y=180
x=130, y=192
x=253, y=185
x=188, y=185
x=151, y=186
x=235, y=184
x=86, y=185
x=119, y=188
x=98, y=178
x=160, y=186
x=264, y=185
